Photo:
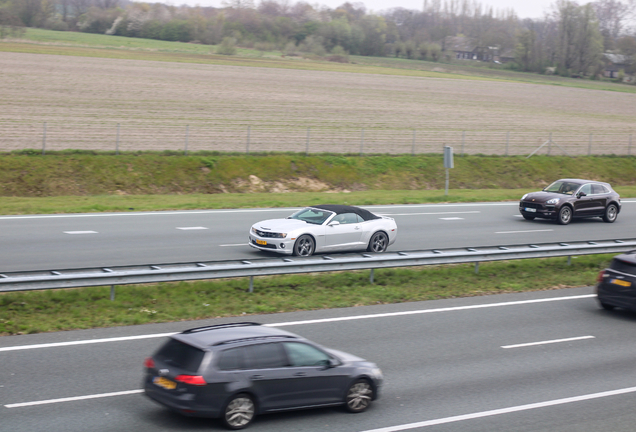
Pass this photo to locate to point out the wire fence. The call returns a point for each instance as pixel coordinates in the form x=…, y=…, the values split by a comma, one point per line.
x=122, y=137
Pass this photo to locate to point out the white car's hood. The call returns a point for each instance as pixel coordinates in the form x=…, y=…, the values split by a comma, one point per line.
x=280, y=225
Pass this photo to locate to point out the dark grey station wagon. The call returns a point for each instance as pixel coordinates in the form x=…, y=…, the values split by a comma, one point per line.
x=236, y=371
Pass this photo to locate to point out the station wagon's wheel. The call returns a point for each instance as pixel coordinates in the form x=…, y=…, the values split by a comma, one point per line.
x=611, y=212
x=565, y=215
x=526, y=217
x=378, y=243
x=304, y=246
x=359, y=396
x=239, y=412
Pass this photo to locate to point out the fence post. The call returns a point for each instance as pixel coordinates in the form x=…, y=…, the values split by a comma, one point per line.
x=463, y=141
x=413, y=147
x=629, y=146
x=307, y=144
x=589, y=146
x=247, y=150
x=44, y=140
x=507, y=141
x=550, y=144
x=185, y=150
x=361, y=142
x=117, y=141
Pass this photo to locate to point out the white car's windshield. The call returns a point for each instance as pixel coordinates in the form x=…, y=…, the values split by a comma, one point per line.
x=562, y=187
x=312, y=215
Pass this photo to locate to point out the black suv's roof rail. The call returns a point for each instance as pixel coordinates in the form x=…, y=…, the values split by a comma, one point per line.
x=220, y=326
x=255, y=338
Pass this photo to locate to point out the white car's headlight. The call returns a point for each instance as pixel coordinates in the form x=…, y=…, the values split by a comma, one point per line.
x=553, y=201
x=524, y=197
x=279, y=235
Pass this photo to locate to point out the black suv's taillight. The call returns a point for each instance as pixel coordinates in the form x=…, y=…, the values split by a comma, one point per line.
x=599, y=278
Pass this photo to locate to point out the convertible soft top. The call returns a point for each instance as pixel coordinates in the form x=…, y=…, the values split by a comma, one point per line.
x=340, y=209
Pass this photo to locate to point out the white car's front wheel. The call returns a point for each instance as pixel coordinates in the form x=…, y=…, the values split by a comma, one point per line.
x=304, y=246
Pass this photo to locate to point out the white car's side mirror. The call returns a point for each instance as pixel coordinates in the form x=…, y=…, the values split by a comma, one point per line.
x=334, y=223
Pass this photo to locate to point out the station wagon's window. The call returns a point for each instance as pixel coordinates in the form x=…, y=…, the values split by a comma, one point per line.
x=232, y=359
x=181, y=355
x=301, y=354
x=266, y=356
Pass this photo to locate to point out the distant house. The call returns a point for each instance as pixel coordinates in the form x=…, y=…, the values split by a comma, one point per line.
x=465, y=48
x=614, y=63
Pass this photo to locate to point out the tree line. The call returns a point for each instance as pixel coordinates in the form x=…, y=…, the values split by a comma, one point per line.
x=569, y=39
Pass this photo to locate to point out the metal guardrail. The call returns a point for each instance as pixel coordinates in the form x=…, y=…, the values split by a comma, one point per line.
x=126, y=275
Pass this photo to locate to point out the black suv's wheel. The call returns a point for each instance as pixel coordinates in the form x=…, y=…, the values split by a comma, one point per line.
x=611, y=212
x=378, y=243
x=359, y=396
x=239, y=412
x=565, y=215
x=304, y=246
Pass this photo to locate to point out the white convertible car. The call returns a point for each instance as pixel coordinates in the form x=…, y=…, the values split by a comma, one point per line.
x=324, y=228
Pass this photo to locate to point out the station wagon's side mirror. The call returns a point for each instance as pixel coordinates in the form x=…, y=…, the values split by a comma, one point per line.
x=334, y=223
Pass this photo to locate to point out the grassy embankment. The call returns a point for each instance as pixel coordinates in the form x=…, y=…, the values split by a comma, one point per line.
x=61, y=183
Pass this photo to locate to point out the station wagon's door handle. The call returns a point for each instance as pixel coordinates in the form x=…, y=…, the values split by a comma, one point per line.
x=257, y=377
x=300, y=374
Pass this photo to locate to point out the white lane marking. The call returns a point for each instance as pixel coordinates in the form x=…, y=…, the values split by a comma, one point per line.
x=75, y=398
x=80, y=232
x=191, y=228
x=236, y=244
x=452, y=218
x=517, y=232
x=504, y=410
x=548, y=342
x=315, y=321
x=434, y=213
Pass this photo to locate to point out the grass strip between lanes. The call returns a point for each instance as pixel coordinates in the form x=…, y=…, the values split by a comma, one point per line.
x=83, y=308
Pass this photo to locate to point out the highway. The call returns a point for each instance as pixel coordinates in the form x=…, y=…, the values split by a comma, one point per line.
x=542, y=361
x=55, y=242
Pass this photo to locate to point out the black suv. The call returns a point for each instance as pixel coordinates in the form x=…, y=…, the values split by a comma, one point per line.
x=616, y=285
x=235, y=371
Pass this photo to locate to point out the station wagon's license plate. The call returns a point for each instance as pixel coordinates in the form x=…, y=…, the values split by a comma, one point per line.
x=261, y=242
x=621, y=282
x=531, y=210
x=165, y=383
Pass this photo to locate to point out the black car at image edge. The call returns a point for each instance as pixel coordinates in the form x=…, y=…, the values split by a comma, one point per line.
x=616, y=285
x=236, y=371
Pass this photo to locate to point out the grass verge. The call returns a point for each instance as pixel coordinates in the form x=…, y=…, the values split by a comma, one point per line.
x=56, y=310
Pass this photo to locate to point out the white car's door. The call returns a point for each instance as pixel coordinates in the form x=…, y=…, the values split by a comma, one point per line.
x=346, y=233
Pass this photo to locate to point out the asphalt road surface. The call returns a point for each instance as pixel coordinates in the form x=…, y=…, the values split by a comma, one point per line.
x=543, y=361
x=50, y=242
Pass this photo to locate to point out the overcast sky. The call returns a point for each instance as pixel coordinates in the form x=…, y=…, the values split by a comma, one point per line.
x=523, y=8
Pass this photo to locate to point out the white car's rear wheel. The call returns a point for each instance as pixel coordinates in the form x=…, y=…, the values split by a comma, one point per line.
x=378, y=243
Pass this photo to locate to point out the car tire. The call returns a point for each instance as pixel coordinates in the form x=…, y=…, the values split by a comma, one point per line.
x=606, y=306
x=304, y=246
x=565, y=215
x=526, y=217
x=611, y=213
x=239, y=412
x=359, y=396
x=379, y=242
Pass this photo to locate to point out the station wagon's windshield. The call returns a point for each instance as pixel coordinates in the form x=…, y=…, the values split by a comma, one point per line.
x=312, y=215
x=562, y=187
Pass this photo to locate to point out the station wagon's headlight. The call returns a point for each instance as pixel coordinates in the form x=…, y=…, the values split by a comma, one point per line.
x=552, y=201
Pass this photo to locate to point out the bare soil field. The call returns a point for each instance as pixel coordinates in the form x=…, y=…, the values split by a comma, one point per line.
x=65, y=102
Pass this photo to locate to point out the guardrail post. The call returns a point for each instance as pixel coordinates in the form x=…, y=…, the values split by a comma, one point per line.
x=117, y=141
x=247, y=149
x=307, y=144
x=371, y=276
x=362, y=142
x=185, y=149
x=251, y=284
x=569, y=259
x=112, y=293
x=477, y=268
x=44, y=139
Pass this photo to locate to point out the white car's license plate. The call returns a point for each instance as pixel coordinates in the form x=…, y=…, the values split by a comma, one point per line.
x=531, y=210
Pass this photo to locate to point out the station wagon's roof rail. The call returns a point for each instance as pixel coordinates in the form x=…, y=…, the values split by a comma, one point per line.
x=220, y=326
x=255, y=338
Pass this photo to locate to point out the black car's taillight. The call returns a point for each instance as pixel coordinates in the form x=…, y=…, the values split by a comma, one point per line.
x=196, y=380
x=149, y=363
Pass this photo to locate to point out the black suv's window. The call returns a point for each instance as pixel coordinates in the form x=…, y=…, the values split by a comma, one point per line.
x=301, y=354
x=266, y=356
x=598, y=189
x=181, y=355
x=232, y=359
x=623, y=266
